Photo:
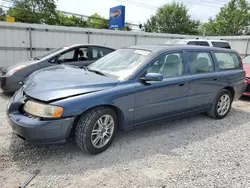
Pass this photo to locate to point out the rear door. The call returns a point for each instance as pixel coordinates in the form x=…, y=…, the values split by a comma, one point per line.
x=203, y=79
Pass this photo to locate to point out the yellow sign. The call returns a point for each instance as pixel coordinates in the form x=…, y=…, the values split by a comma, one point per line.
x=10, y=19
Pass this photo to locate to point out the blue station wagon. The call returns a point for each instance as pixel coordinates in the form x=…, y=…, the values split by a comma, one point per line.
x=126, y=88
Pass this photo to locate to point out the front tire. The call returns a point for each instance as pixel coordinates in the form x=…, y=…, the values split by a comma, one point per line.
x=221, y=105
x=96, y=130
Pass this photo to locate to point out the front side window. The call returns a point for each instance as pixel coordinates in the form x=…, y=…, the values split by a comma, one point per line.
x=169, y=65
x=121, y=63
x=66, y=57
x=228, y=61
x=200, y=62
x=82, y=54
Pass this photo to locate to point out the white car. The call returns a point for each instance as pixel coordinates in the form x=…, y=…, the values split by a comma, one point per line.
x=200, y=42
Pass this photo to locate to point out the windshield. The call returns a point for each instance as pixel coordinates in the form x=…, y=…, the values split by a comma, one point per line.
x=246, y=60
x=120, y=63
x=49, y=53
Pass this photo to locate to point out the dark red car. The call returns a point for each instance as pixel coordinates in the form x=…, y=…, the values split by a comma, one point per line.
x=246, y=65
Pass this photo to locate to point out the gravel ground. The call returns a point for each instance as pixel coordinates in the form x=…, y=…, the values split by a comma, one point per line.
x=192, y=152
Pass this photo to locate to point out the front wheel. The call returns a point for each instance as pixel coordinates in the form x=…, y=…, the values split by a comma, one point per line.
x=221, y=105
x=96, y=129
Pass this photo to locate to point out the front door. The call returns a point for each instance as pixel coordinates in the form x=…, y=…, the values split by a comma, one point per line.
x=158, y=99
x=77, y=56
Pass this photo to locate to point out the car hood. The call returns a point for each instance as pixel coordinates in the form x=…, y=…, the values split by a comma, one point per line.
x=57, y=82
x=23, y=63
x=247, y=69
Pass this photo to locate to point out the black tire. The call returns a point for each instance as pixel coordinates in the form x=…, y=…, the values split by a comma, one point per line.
x=85, y=126
x=213, y=112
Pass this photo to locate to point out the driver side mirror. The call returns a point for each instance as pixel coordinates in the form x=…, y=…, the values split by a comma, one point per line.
x=157, y=77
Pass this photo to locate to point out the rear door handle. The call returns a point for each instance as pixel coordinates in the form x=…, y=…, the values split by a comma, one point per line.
x=182, y=84
x=215, y=79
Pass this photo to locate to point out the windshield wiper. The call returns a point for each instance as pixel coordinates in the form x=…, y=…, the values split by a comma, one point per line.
x=97, y=72
x=36, y=58
x=85, y=67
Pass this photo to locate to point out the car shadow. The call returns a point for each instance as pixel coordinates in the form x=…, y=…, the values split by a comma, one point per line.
x=157, y=138
x=245, y=98
x=5, y=96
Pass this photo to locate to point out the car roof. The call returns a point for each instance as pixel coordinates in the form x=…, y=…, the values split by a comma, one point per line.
x=160, y=48
x=202, y=39
x=96, y=45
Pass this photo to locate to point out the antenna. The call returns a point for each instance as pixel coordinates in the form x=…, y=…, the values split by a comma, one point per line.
x=204, y=32
x=109, y=37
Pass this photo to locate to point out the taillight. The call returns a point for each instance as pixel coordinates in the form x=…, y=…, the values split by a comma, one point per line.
x=240, y=58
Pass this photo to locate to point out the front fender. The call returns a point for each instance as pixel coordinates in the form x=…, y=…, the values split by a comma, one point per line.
x=121, y=98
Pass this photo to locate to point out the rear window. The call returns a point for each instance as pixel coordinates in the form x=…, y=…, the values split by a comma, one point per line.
x=228, y=61
x=221, y=45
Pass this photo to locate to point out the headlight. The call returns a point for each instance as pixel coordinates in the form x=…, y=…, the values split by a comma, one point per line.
x=43, y=110
x=13, y=71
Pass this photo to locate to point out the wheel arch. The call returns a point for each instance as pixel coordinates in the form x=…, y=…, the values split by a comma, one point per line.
x=117, y=110
x=231, y=89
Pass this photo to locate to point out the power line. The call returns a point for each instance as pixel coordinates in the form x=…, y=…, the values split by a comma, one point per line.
x=213, y=2
x=139, y=4
x=155, y=8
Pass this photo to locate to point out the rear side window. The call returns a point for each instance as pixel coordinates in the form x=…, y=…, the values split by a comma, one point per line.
x=221, y=45
x=200, y=62
x=202, y=43
x=228, y=61
x=199, y=43
x=191, y=43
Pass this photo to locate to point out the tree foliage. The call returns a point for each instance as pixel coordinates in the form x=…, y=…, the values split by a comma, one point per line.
x=44, y=12
x=71, y=21
x=2, y=14
x=34, y=11
x=172, y=18
x=98, y=22
x=231, y=20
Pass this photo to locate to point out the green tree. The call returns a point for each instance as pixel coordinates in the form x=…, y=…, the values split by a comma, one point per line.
x=2, y=14
x=98, y=22
x=72, y=21
x=172, y=18
x=232, y=19
x=34, y=11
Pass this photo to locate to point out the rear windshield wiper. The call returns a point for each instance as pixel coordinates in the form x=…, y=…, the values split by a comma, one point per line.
x=97, y=72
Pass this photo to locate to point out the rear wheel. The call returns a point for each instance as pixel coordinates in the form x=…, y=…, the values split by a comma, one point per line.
x=221, y=105
x=96, y=130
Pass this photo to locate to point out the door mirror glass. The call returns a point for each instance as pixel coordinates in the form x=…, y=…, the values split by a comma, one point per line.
x=157, y=77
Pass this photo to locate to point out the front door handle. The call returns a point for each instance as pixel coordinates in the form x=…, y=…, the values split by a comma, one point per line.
x=182, y=84
x=215, y=79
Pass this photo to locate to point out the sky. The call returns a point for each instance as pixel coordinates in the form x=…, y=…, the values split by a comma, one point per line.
x=138, y=11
